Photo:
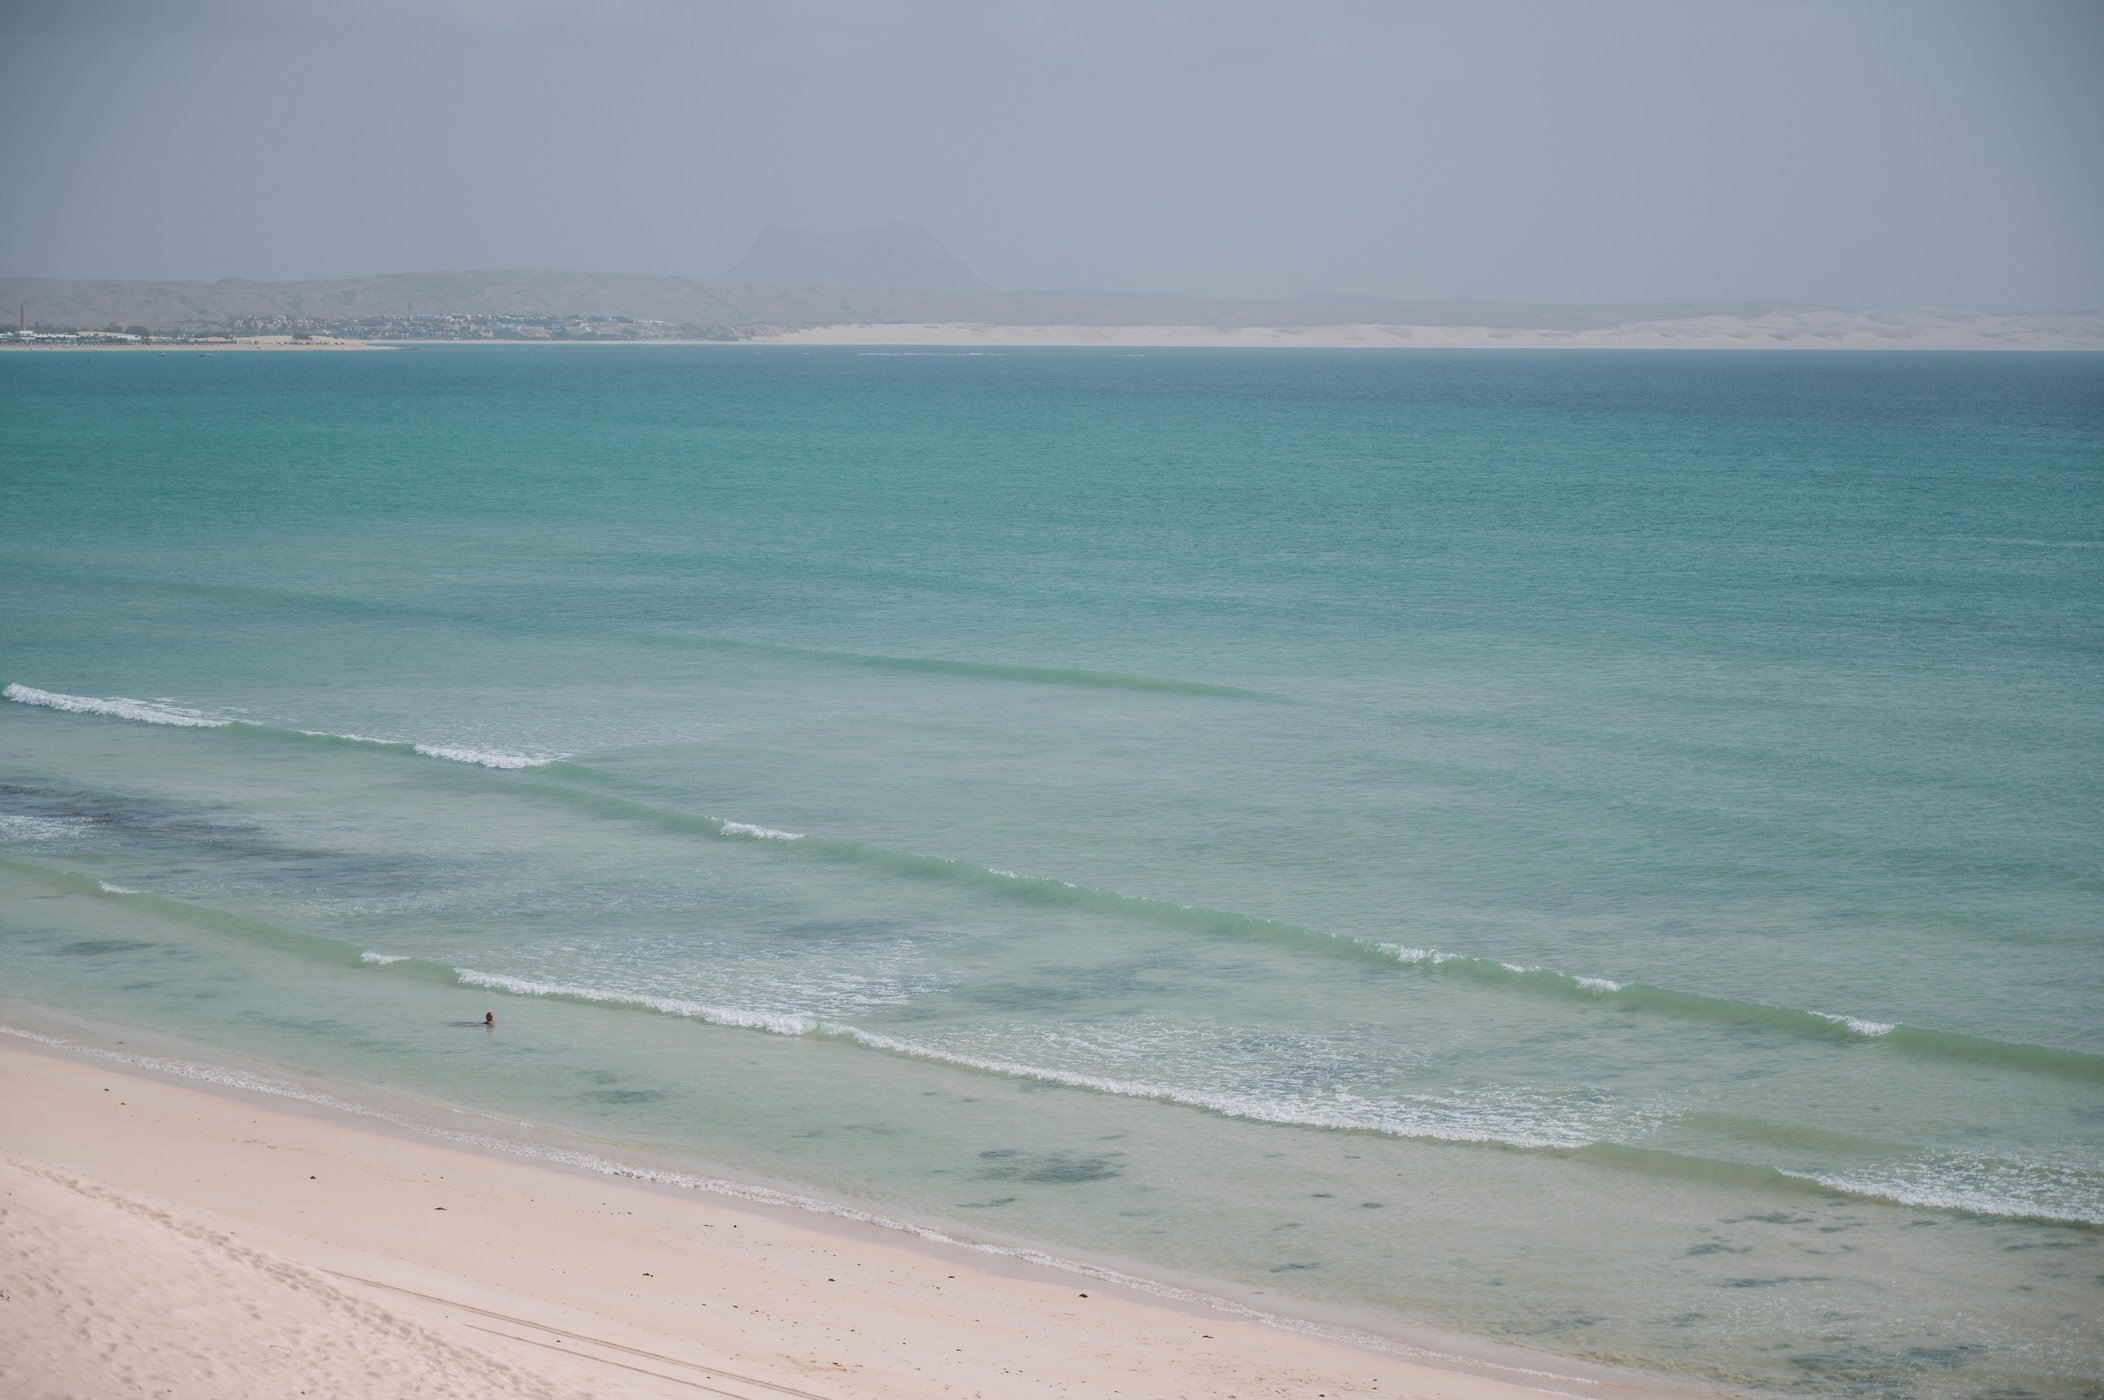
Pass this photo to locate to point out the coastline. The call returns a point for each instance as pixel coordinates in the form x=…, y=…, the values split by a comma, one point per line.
x=1789, y=329
x=1784, y=331
x=650, y=1286
x=163, y=347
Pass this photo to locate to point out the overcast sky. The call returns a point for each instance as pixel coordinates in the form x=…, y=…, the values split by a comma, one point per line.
x=1895, y=152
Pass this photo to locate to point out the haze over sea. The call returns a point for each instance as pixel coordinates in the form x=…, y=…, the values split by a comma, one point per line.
x=1593, y=850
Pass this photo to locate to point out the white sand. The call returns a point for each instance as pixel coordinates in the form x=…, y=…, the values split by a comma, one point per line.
x=159, y=1237
x=1807, y=329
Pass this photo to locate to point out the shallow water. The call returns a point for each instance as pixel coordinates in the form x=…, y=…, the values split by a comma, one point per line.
x=1595, y=850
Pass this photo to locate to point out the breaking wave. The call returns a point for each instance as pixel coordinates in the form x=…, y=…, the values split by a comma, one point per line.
x=738, y=1018
x=487, y=758
x=163, y=712
x=1490, y=1119
x=1035, y=889
x=1638, y=996
x=116, y=707
x=1436, y=1118
x=759, y=833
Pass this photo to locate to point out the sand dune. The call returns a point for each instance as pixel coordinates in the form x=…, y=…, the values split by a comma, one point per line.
x=1810, y=328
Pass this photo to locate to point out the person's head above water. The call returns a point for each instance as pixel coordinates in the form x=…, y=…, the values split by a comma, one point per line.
x=489, y=1018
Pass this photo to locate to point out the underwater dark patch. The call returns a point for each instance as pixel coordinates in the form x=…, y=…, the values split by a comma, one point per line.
x=624, y=1095
x=1047, y=1169
x=99, y=947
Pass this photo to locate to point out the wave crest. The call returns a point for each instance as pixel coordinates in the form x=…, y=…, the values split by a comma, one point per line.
x=115, y=706
x=760, y=833
x=181, y=717
x=776, y=1023
x=487, y=758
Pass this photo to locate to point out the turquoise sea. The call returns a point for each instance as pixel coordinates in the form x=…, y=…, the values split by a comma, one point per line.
x=1592, y=851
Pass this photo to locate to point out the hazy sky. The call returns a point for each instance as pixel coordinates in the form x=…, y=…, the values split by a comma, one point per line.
x=1899, y=152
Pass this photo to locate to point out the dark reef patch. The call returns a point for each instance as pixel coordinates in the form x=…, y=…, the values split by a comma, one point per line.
x=100, y=947
x=1047, y=1168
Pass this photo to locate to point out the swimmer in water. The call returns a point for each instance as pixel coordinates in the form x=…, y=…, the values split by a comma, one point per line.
x=489, y=1018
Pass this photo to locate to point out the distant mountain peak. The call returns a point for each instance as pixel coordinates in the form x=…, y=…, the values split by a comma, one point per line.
x=888, y=258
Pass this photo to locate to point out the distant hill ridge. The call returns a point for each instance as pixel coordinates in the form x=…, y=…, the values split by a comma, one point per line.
x=894, y=258
x=902, y=275
x=697, y=301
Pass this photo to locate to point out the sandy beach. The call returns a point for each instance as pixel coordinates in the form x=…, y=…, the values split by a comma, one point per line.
x=1802, y=328
x=1812, y=328
x=168, y=1238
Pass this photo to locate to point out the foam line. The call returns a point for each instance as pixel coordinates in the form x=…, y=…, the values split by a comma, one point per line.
x=1636, y=996
x=1641, y=996
x=1424, y=1121
x=1165, y=913
x=759, y=833
x=738, y=1018
x=115, y=707
x=161, y=712
x=1343, y=1111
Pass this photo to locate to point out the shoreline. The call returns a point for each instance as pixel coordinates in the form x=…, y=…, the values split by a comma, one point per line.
x=220, y=1136
x=168, y=347
x=1783, y=331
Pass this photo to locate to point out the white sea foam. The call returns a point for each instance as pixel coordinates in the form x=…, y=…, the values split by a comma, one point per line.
x=1048, y=880
x=348, y=738
x=108, y=888
x=1433, y=957
x=1976, y=1187
x=777, y=1023
x=488, y=758
x=453, y=753
x=1441, y=1120
x=1417, y=955
x=164, y=712
x=381, y=959
x=760, y=833
x=768, y=1196
x=1860, y=1027
x=116, y=707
